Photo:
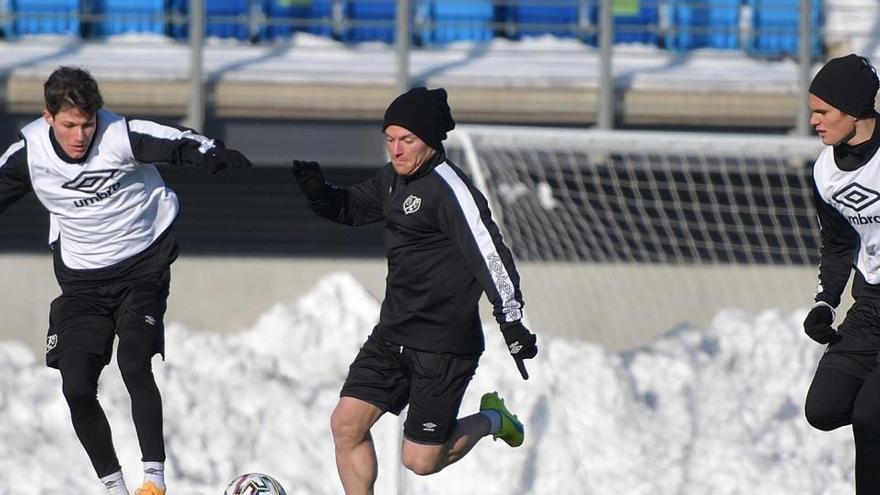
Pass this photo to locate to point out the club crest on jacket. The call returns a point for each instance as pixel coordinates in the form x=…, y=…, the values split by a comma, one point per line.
x=411, y=204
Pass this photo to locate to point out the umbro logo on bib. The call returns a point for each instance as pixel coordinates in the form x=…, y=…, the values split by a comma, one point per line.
x=412, y=204
x=856, y=196
x=90, y=182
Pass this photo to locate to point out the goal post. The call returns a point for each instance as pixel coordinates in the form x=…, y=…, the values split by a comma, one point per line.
x=623, y=235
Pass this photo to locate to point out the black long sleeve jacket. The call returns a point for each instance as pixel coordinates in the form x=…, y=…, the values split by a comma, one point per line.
x=443, y=251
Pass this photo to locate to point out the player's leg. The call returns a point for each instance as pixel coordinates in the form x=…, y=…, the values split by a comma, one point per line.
x=356, y=460
x=493, y=419
x=375, y=383
x=846, y=388
x=866, y=432
x=433, y=437
x=424, y=459
x=79, y=375
x=141, y=336
x=79, y=344
x=842, y=371
x=829, y=403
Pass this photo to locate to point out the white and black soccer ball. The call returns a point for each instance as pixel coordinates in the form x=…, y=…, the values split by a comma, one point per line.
x=254, y=484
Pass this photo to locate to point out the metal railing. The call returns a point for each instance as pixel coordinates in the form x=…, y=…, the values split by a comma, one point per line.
x=595, y=22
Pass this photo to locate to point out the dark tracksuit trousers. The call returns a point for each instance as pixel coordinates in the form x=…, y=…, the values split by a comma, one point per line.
x=86, y=322
x=846, y=390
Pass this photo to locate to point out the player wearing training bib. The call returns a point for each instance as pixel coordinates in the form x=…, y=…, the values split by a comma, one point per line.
x=112, y=239
x=846, y=387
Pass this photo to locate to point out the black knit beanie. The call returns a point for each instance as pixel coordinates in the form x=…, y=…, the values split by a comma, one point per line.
x=424, y=112
x=847, y=83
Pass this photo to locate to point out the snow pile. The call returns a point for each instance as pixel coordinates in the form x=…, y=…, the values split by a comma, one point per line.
x=717, y=411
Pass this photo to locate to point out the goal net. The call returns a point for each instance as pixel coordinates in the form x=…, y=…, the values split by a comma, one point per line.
x=623, y=235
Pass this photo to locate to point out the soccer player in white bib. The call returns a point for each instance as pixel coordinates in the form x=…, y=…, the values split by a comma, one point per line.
x=846, y=387
x=112, y=239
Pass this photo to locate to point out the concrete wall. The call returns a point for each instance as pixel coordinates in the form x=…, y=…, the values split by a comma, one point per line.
x=217, y=294
x=620, y=306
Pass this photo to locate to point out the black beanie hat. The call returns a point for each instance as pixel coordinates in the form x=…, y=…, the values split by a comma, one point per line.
x=424, y=112
x=847, y=83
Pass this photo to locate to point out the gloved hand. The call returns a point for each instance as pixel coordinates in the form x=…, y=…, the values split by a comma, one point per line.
x=522, y=345
x=818, y=322
x=222, y=159
x=309, y=178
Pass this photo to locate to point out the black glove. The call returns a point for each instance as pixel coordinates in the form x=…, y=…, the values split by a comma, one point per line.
x=818, y=322
x=222, y=159
x=309, y=178
x=522, y=345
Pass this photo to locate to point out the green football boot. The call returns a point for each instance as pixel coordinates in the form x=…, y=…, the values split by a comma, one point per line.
x=511, y=430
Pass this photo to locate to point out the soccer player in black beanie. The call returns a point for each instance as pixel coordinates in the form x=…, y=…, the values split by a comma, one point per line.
x=846, y=387
x=443, y=252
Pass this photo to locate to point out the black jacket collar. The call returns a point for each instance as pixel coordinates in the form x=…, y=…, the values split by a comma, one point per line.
x=428, y=166
x=851, y=158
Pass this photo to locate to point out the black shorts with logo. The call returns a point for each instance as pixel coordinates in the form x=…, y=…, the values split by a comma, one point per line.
x=88, y=318
x=390, y=376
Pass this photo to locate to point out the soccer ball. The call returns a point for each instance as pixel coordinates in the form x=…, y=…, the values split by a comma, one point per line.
x=254, y=484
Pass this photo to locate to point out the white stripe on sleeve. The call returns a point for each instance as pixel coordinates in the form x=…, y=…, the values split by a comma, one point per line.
x=11, y=151
x=168, y=132
x=500, y=277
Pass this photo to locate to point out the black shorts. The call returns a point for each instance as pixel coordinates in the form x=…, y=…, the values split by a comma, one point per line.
x=433, y=384
x=87, y=319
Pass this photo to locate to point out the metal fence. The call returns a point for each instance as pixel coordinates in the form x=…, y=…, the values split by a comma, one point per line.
x=761, y=28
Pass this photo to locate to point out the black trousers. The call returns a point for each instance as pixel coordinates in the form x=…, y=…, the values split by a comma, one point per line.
x=846, y=391
x=83, y=326
x=79, y=374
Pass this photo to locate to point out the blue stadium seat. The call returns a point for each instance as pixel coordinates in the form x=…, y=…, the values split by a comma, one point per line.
x=456, y=20
x=236, y=26
x=775, y=27
x=531, y=19
x=285, y=10
x=376, y=18
x=43, y=17
x=635, y=21
x=127, y=16
x=703, y=24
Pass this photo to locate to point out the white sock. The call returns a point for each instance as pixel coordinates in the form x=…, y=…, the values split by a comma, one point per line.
x=115, y=484
x=494, y=417
x=155, y=472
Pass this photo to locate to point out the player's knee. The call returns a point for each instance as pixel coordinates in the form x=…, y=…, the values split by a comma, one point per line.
x=823, y=416
x=136, y=372
x=134, y=360
x=79, y=378
x=77, y=389
x=345, y=430
x=134, y=369
x=420, y=464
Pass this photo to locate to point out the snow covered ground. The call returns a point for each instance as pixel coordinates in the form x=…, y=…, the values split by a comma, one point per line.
x=717, y=411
